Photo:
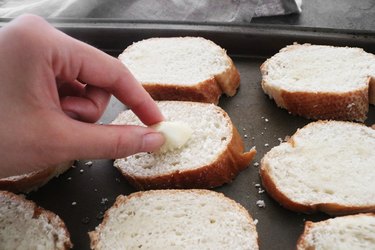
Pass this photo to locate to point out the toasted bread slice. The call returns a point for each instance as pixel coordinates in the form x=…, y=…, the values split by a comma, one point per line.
x=321, y=82
x=326, y=166
x=24, y=225
x=34, y=180
x=182, y=68
x=356, y=232
x=212, y=156
x=175, y=219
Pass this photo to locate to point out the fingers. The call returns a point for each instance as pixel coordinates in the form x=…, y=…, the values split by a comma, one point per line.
x=76, y=60
x=88, y=107
x=110, y=141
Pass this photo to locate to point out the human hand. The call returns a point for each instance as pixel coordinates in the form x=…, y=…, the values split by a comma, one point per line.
x=52, y=88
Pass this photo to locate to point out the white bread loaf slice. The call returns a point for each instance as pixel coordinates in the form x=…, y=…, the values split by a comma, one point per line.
x=321, y=82
x=212, y=156
x=34, y=180
x=175, y=219
x=326, y=166
x=354, y=232
x=182, y=68
x=24, y=225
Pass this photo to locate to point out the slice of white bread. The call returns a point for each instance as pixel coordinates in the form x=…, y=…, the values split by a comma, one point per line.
x=24, y=225
x=354, y=232
x=182, y=68
x=326, y=166
x=212, y=156
x=321, y=82
x=34, y=180
x=175, y=219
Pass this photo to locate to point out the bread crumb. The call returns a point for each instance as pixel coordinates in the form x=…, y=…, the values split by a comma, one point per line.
x=261, y=191
x=350, y=105
x=104, y=201
x=81, y=171
x=257, y=185
x=266, y=145
x=256, y=221
x=69, y=178
x=266, y=120
x=261, y=204
x=89, y=163
x=245, y=136
x=74, y=203
x=256, y=164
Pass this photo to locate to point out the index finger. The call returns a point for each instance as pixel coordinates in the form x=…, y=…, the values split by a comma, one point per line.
x=94, y=67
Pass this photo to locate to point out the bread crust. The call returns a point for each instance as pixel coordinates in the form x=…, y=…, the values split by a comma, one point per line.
x=309, y=225
x=54, y=219
x=208, y=91
x=329, y=208
x=32, y=181
x=223, y=170
x=120, y=200
x=349, y=105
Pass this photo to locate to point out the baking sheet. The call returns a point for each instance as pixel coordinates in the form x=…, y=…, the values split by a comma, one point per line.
x=82, y=194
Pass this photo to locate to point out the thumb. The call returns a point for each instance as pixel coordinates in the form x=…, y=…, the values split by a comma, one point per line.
x=93, y=141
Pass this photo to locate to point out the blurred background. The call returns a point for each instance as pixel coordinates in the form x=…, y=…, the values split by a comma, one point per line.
x=339, y=14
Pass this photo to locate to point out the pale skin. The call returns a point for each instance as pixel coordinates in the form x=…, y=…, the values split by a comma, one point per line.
x=52, y=90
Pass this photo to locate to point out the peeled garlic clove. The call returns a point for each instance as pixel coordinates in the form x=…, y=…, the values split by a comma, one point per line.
x=176, y=134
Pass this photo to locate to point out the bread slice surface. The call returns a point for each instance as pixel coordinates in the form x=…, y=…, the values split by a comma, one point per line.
x=24, y=225
x=182, y=68
x=175, y=219
x=356, y=232
x=321, y=82
x=325, y=166
x=213, y=155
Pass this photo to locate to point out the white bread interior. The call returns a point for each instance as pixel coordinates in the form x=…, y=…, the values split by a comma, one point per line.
x=356, y=232
x=326, y=166
x=175, y=219
x=321, y=82
x=23, y=225
x=212, y=156
x=182, y=68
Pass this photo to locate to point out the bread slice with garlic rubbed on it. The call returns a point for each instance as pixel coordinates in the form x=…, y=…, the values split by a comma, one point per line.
x=24, y=225
x=182, y=68
x=321, y=82
x=175, y=219
x=326, y=166
x=213, y=155
x=32, y=181
x=355, y=232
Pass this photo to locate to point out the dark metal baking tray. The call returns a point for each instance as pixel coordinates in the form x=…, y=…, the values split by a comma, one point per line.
x=81, y=195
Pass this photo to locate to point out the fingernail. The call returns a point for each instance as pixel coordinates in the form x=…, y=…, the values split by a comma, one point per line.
x=152, y=141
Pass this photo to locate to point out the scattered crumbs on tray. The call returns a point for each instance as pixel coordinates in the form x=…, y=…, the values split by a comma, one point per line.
x=89, y=163
x=261, y=191
x=253, y=138
x=245, y=136
x=266, y=145
x=74, y=203
x=256, y=221
x=256, y=164
x=244, y=129
x=81, y=171
x=257, y=185
x=73, y=166
x=69, y=178
x=262, y=133
x=266, y=120
x=261, y=203
x=104, y=201
x=280, y=140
